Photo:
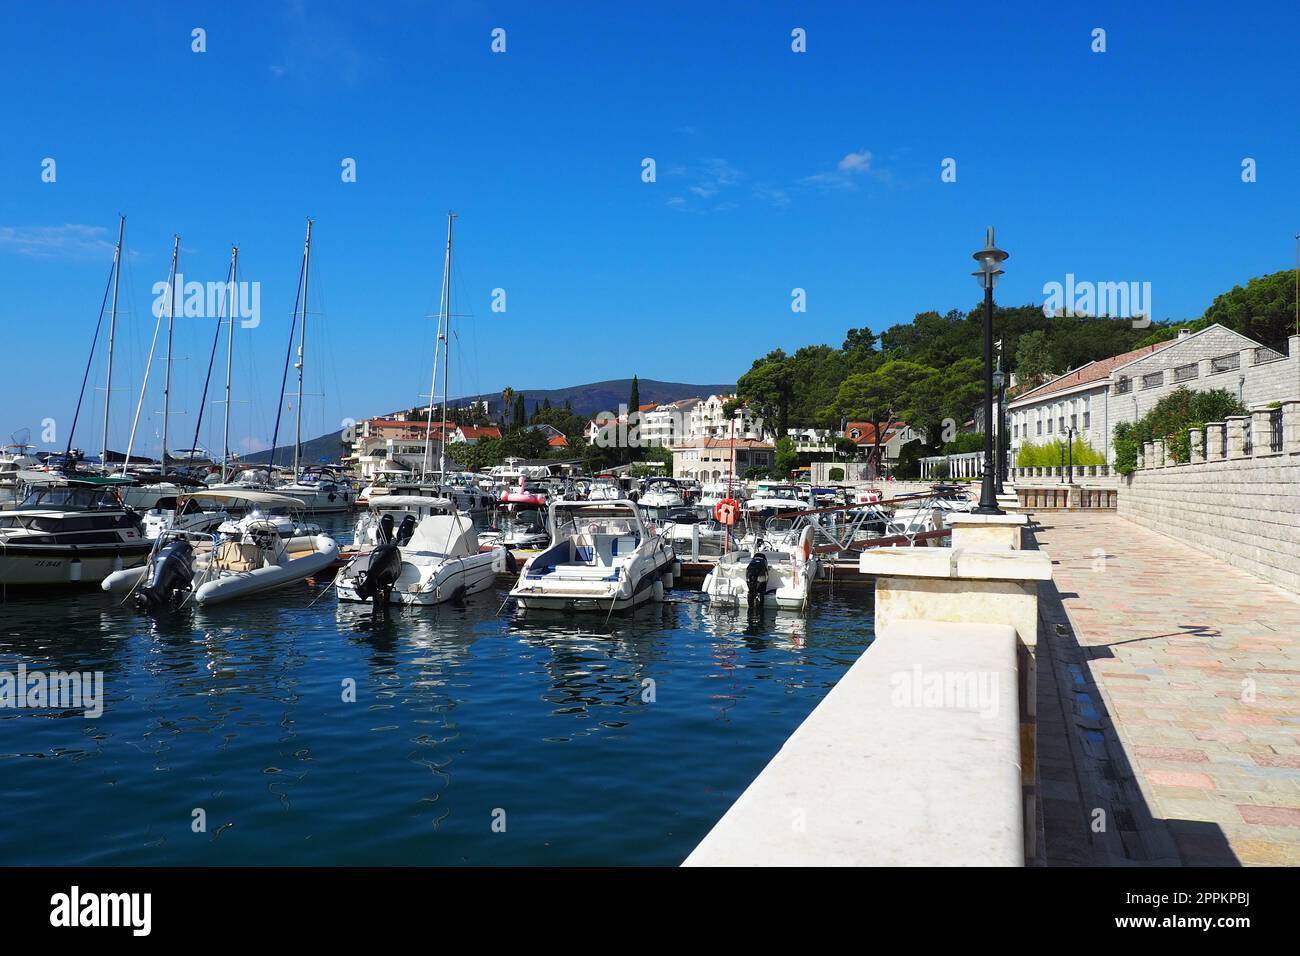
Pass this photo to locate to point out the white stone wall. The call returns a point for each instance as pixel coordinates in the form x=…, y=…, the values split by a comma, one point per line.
x=1245, y=511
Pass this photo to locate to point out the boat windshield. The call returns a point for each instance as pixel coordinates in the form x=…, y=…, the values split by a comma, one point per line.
x=69, y=498
x=594, y=521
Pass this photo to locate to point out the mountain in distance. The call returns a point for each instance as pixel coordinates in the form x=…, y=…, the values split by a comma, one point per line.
x=586, y=400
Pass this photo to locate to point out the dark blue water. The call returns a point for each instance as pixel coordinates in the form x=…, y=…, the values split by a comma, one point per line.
x=463, y=717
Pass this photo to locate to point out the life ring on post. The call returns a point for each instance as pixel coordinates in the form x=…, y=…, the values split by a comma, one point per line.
x=726, y=511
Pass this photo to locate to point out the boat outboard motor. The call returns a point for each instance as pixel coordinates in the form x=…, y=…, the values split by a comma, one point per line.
x=376, y=583
x=384, y=534
x=173, y=573
x=405, y=530
x=756, y=579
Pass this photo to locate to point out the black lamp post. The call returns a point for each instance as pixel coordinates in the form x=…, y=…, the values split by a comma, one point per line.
x=990, y=259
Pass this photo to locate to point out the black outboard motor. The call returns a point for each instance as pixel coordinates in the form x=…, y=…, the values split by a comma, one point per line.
x=173, y=573
x=756, y=579
x=385, y=533
x=405, y=530
x=376, y=583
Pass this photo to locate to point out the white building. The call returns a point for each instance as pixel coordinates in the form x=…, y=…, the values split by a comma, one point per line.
x=666, y=424
x=708, y=420
x=1094, y=398
x=709, y=459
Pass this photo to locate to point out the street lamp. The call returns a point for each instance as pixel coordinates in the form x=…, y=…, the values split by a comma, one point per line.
x=990, y=259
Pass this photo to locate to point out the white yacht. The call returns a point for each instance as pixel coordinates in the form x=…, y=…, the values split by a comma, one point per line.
x=68, y=531
x=772, y=499
x=254, y=554
x=661, y=493
x=518, y=527
x=320, y=491
x=601, y=558
x=769, y=574
x=428, y=555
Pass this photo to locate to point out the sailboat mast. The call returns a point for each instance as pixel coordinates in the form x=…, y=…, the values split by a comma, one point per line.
x=171, y=327
x=302, y=353
x=230, y=359
x=446, y=347
x=112, y=332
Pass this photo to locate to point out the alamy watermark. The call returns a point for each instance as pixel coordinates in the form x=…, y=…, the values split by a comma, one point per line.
x=198, y=300
x=55, y=690
x=946, y=690
x=1123, y=300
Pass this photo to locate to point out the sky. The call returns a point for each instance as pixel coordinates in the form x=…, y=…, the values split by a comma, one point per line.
x=774, y=170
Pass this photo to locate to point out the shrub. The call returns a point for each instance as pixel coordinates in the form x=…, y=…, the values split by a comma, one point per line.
x=1168, y=421
x=835, y=474
x=1053, y=454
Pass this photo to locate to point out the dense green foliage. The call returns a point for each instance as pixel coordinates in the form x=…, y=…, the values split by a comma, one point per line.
x=1169, y=421
x=1053, y=454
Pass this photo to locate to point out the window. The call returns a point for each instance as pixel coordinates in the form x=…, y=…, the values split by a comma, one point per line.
x=1074, y=422
x=1185, y=373
x=1122, y=386
x=1087, y=420
x=1153, y=379
x=1049, y=426
x=1040, y=427
x=1225, y=363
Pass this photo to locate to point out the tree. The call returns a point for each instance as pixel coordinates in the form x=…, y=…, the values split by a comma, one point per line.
x=520, y=417
x=768, y=389
x=1263, y=309
x=507, y=403
x=1034, y=357
x=882, y=397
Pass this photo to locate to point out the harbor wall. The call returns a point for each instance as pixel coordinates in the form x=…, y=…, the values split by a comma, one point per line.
x=1237, y=499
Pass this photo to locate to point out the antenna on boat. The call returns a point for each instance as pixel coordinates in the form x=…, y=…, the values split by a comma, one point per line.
x=446, y=348
x=230, y=358
x=302, y=351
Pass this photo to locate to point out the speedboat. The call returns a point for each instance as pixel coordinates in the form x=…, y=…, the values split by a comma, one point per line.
x=320, y=490
x=769, y=574
x=601, y=558
x=519, y=527
x=691, y=534
x=416, y=550
x=185, y=513
x=604, y=489
x=68, y=531
x=775, y=499
x=254, y=554
x=661, y=493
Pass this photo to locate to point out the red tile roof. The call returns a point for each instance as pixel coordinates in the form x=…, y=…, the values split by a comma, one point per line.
x=1092, y=372
x=868, y=432
x=480, y=431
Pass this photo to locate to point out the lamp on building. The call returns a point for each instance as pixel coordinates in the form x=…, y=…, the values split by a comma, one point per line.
x=990, y=259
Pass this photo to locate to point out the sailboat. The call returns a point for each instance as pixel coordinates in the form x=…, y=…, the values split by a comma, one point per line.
x=318, y=490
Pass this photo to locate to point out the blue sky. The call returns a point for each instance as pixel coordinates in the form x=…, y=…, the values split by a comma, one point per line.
x=775, y=170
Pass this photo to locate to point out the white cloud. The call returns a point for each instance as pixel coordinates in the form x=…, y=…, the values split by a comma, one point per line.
x=56, y=242
x=845, y=174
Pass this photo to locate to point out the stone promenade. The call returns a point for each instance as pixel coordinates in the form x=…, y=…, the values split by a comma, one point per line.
x=1169, y=702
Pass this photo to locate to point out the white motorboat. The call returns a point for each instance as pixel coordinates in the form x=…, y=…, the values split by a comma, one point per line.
x=931, y=511
x=68, y=531
x=257, y=553
x=772, y=499
x=778, y=575
x=661, y=493
x=320, y=491
x=518, y=527
x=601, y=558
x=604, y=489
x=693, y=536
x=428, y=555
x=177, y=514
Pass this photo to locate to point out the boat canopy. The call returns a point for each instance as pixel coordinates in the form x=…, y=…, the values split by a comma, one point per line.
x=407, y=502
x=452, y=536
x=249, y=495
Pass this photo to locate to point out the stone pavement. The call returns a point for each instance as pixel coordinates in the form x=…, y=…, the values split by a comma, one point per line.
x=1169, y=702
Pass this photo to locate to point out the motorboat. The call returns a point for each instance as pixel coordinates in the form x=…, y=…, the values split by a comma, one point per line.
x=251, y=555
x=320, y=490
x=601, y=558
x=692, y=535
x=182, y=513
x=604, y=488
x=767, y=574
x=519, y=527
x=68, y=530
x=417, y=550
x=524, y=494
x=661, y=492
x=931, y=511
x=774, y=499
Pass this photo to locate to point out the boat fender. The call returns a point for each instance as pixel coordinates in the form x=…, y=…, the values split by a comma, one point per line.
x=659, y=590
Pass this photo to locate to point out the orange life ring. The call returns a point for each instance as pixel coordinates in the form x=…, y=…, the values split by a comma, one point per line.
x=726, y=511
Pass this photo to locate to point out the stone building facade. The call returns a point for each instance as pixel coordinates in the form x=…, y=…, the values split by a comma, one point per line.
x=1093, y=399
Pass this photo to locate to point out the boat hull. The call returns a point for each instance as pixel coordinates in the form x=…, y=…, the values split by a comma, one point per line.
x=457, y=576
x=40, y=566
